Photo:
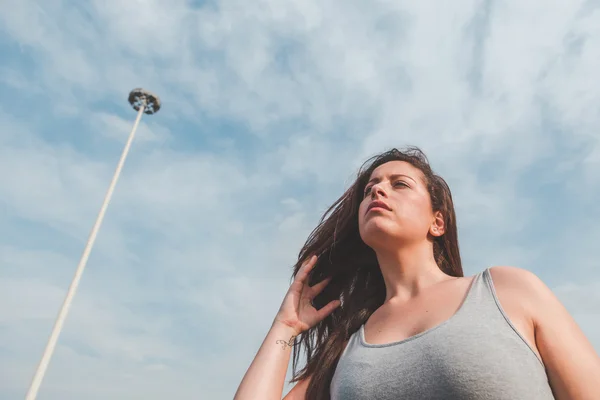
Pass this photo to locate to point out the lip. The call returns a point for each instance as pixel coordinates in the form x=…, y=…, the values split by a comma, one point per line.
x=378, y=204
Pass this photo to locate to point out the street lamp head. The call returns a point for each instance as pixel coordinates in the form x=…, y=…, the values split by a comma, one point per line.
x=143, y=98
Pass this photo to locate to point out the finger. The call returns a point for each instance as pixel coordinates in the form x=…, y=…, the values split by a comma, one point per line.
x=318, y=288
x=328, y=309
x=305, y=269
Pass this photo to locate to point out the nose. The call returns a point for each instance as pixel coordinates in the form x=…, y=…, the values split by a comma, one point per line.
x=377, y=190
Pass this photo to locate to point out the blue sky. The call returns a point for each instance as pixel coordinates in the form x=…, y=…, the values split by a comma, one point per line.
x=269, y=107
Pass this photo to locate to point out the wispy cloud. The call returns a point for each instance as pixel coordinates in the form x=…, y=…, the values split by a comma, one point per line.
x=268, y=109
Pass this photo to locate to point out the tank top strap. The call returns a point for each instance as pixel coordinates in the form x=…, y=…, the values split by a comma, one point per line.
x=481, y=297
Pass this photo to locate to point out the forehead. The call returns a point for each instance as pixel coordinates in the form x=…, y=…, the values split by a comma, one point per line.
x=396, y=167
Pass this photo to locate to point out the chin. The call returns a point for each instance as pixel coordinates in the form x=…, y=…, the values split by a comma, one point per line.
x=378, y=231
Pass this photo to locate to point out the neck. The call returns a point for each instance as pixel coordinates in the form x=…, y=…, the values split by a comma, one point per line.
x=408, y=270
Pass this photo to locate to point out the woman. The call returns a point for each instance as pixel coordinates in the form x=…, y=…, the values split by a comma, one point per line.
x=384, y=311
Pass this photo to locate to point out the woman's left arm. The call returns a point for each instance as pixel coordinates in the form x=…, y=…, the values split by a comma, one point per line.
x=572, y=364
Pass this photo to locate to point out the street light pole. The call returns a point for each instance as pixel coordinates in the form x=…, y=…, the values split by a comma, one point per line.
x=143, y=102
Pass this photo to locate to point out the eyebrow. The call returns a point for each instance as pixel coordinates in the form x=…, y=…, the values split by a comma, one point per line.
x=392, y=177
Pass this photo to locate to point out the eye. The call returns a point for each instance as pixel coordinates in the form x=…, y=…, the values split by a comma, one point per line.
x=400, y=184
x=367, y=190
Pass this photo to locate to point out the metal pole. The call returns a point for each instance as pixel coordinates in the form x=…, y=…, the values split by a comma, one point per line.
x=62, y=315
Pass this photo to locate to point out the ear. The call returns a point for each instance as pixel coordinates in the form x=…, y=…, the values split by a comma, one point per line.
x=438, y=227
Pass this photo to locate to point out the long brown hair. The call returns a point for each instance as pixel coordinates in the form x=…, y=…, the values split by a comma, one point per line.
x=353, y=267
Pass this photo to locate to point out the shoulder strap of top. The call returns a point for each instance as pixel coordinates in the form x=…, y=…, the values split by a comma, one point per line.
x=481, y=298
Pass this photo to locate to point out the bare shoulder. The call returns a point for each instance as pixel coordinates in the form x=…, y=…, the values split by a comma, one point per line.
x=519, y=282
x=515, y=276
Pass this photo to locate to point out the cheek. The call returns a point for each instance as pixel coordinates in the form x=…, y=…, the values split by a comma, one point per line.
x=422, y=215
x=415, y=212
x=362, y=209
x=363, y=206
x=361, y=213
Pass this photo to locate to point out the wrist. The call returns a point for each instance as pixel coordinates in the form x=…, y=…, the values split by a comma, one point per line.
x=283, y=334
x=284, y=328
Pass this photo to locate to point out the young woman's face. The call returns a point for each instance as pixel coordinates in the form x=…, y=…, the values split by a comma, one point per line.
x=396, y=207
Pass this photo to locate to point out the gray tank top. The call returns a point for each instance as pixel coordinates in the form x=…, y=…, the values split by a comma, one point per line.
x=477, y=354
